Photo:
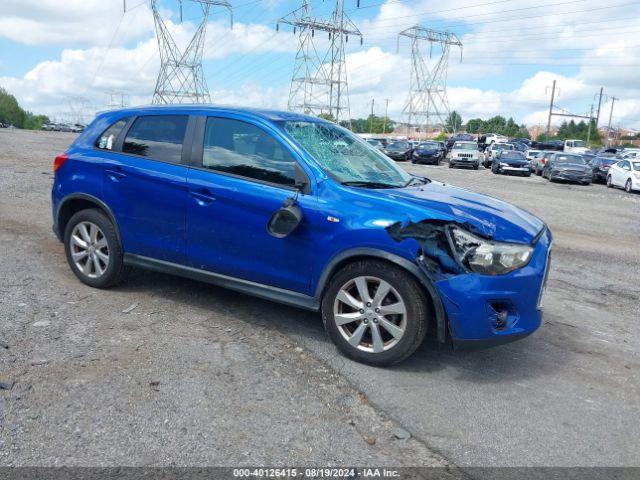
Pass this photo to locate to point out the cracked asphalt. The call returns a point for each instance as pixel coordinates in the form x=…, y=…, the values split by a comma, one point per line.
x=167, y=371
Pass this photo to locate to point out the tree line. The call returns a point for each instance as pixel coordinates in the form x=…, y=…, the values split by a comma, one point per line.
x=11, y=113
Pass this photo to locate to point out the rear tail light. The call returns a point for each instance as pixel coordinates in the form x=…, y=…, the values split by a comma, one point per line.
x=543, y=161
x=59, y=161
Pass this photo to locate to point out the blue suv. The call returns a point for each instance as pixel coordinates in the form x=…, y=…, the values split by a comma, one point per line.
x=299, y=210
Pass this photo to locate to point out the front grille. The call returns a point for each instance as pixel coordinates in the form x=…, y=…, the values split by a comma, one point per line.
x=465, y=155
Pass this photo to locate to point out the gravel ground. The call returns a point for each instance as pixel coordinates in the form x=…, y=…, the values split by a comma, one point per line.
x=198, y=375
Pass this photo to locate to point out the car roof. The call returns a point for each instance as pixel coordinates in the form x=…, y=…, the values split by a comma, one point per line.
x=185, y=109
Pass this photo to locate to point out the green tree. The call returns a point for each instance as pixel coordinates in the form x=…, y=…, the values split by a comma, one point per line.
x=10, y=111
x=35, y=122
x=327, y=116
x=372, y=124
x=453, y=122
x=476, y=125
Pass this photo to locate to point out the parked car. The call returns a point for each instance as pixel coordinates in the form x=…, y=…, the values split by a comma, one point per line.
x=48, y=127
x=600, y=168
x=459, y=137
x=465, y=154
x=427, y=152
x=399, y=151
x=588, y=157
x=540, y=161
x=625, y=173
x=492, y=150
x=575, y=146
x=526, y=141
x=530, y=154
x=490, y=138
x=520, y=147
x=375, y=143
x=568, y=167
x=299, y=210
x=510, y=161
x=630, y=154
x=4, y=125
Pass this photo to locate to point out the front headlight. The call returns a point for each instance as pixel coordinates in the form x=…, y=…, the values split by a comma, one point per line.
x=487, y=257
x=502, y=164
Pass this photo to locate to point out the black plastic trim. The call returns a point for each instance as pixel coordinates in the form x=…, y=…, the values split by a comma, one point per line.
x=329, y=270
x=267, y=292
x=90, y=198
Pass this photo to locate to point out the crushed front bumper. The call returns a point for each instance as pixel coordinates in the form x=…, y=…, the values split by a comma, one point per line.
x=485, y=310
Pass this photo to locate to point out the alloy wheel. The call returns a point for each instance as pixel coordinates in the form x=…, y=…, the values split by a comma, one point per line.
x=370, y=314
x=89, y=249
x=627, y=186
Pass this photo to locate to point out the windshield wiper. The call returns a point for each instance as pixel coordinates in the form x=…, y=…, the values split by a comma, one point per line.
x=365, y=184
x=421, y=180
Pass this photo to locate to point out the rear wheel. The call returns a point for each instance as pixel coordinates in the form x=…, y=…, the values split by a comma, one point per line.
x=93, y=250
x=375, y=313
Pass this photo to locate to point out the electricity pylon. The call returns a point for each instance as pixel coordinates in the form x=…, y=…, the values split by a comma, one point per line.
x=181, y=78
x=319, y=83
x=427, y=101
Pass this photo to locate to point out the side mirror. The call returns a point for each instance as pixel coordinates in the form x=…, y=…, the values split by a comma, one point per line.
x=286, y=220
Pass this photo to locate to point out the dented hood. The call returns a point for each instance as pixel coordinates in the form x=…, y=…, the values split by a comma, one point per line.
x=494, y=218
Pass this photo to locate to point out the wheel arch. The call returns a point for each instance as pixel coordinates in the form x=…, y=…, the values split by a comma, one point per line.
x=76, y=202
x=359, y=254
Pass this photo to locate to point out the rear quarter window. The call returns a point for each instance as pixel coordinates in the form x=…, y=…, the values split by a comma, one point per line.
x=159, y=137
x=107, y=140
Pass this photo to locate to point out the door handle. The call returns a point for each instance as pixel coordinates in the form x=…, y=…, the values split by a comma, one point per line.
x=203, y=196
x=115, y=173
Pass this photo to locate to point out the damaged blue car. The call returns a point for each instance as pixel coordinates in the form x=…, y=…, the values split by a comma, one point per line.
x=301, y=211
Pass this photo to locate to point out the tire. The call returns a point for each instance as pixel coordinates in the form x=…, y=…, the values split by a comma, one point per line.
x=450, y=164
x=114, y=268
x=538, y=172
x=475, y=167
x=403, y=289
x=627, y=186
x=609, y=182
x=527, y=174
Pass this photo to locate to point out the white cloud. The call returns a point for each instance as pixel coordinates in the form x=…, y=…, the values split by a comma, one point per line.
x=582, y=51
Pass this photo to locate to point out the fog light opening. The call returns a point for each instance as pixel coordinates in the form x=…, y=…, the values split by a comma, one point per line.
x=502, y=315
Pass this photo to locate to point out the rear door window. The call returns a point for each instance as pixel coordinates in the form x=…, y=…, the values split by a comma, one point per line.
x=159, y=137
x=107, y=141
x=240, y=148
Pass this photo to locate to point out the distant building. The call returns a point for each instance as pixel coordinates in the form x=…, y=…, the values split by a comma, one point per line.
x=417, y=132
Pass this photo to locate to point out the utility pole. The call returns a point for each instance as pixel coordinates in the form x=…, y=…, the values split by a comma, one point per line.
x=553, y=94
x=599, y=103
x=373, y=101
x=590, y=121
x=386, y=116
x=613, y=101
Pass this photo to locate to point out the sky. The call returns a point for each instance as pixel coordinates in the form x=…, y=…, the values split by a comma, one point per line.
x=58, y=56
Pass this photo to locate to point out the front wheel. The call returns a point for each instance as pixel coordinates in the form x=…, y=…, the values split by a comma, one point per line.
x=609, y=182
x=527, y=174
x=375, y=313
x=93, y=250
x=450, y=164
x=627, y=186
